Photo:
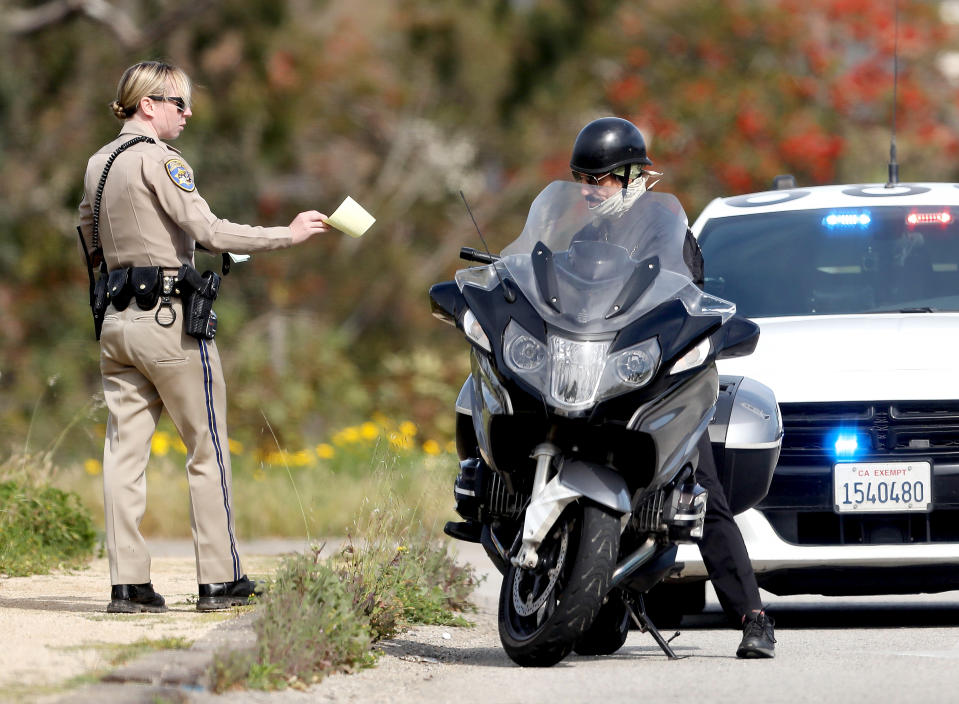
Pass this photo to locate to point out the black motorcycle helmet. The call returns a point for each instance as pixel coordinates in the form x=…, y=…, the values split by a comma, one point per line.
x=606, y=144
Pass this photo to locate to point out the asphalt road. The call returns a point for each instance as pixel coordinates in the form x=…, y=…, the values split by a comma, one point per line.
x=830, y=649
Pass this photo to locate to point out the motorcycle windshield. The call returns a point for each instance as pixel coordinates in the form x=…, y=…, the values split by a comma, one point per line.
x=591, y=263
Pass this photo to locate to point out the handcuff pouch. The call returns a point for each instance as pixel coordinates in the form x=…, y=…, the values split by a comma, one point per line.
x=118, y=289
x=145, y=282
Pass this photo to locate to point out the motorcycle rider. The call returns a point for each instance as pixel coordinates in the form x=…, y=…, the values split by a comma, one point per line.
x=611, y=153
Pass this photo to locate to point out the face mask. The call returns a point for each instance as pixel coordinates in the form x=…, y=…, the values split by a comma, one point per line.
x=623, y=199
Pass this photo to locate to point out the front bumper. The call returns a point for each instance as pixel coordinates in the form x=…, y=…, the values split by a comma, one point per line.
x=785, y=568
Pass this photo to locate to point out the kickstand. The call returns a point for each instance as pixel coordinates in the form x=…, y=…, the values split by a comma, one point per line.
x=645, y=625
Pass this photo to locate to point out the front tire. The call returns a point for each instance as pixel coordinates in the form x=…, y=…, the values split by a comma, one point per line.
x=608, y=632
x=543, y=611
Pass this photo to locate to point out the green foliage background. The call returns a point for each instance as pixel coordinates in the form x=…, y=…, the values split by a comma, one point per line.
x=400, y=104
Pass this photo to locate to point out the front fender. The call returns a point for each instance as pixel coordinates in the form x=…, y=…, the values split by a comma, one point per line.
x=596, y=482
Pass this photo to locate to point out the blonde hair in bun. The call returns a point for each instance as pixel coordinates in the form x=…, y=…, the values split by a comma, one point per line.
x=149, y=78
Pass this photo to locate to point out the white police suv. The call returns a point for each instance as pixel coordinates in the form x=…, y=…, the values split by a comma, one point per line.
x=856, y=290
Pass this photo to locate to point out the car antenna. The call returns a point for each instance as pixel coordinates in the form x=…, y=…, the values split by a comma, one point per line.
x=893, y=166
x=507, y=293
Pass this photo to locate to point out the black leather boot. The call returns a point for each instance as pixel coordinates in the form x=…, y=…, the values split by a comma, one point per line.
x=135, y=598
x=223, y=595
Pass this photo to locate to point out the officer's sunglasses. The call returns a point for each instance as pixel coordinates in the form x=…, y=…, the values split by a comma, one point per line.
x=175, y=99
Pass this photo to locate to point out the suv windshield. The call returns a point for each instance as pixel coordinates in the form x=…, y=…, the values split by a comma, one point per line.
x=828, y=262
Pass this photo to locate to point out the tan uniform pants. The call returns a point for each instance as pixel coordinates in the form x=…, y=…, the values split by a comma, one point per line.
x=146, y=368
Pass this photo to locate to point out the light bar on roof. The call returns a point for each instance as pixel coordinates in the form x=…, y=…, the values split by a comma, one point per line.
x=942, y=217
x=847, y=220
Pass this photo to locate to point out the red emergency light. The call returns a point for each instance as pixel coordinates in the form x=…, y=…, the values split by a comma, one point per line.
x=943, y=217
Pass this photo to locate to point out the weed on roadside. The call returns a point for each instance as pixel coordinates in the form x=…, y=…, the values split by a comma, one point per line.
x=322, y=616
x=41, y=528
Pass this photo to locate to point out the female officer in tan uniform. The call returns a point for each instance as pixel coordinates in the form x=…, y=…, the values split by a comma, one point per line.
x=151, y=215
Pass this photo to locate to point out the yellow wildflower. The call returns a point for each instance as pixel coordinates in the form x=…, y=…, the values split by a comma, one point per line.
x=369, y=431
x=408, y=428
x=347, y=436
x=160, y=444
x=431, y=447
x=236, y=447
x=400, y=441
x=451, y=447
x=92, y=467
x=258, y=474
x=325, y=451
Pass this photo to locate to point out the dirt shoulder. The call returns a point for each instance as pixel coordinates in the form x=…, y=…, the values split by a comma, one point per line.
x=56, y=632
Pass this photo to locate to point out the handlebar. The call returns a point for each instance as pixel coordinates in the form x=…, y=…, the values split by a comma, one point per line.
x=474, y=255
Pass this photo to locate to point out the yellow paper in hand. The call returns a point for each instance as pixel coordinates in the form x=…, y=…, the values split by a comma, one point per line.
x=351, y=218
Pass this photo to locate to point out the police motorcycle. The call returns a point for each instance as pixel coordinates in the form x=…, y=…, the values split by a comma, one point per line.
x=593, y=379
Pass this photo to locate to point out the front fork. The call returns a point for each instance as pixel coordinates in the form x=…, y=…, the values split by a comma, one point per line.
x=548, y=499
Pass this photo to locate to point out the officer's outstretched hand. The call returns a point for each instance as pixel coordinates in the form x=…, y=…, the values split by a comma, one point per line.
x=307, y=224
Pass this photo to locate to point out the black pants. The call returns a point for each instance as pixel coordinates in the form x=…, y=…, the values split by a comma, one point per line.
x=724, y=552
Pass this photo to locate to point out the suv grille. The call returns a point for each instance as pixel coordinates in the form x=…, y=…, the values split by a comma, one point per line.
x=906, y=428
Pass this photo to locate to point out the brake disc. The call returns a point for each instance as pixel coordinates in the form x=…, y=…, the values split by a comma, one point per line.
x=528, y=607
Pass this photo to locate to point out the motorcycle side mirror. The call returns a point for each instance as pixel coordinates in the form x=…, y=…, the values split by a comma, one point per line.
x=737, y=338
x=447, y=302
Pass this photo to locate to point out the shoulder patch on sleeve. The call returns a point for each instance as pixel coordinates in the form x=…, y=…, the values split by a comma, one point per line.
x=180, y=174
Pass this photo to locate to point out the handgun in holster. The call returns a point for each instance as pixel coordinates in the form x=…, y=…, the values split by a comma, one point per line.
x=198, y=293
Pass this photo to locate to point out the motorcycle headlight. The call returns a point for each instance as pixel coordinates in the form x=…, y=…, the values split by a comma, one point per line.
x=573, y=374
x=524, y=353
x=577, y=366
x=635, y=367
x=692, y=359
x=631, y=368
x=474, y=331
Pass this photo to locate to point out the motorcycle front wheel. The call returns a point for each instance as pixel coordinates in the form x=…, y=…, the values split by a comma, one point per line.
x=609, y=630
x=544, y=610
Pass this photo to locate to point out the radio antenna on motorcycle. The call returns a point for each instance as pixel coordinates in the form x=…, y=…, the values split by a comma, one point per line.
x=893, y=166
x=507, y=293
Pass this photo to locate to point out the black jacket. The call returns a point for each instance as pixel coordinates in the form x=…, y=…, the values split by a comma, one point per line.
x=693, y=256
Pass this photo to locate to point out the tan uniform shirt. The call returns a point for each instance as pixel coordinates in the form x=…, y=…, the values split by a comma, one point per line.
x=151, y=213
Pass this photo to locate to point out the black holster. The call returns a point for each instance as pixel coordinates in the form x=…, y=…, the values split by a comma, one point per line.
x=198, y=293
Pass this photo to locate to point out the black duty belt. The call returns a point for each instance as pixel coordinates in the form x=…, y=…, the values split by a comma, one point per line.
x=148, y=284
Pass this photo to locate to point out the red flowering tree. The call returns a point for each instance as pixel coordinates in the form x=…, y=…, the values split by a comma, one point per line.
x=731, y=94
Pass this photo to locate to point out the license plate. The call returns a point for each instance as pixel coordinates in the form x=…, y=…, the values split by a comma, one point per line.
x=882, y=487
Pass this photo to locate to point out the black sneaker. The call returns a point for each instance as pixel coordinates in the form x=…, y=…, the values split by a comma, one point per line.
x=134, y=599
x=758, y=640
x=223, y=595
